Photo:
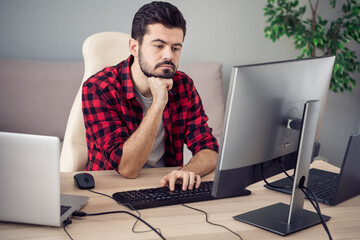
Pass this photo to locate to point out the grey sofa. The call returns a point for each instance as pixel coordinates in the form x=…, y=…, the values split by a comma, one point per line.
x=36, y=96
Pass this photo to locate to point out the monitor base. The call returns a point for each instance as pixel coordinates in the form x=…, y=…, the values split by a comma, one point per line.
x=273, y=218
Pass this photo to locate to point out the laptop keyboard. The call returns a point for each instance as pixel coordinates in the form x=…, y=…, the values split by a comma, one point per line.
x=322, y=183
x=63, y=209
x=162, y=196
x=324, y=188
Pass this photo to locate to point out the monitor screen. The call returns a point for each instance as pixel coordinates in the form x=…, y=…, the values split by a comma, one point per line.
x=261, y=100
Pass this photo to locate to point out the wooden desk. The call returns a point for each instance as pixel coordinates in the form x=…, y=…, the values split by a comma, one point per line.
x=178, y=222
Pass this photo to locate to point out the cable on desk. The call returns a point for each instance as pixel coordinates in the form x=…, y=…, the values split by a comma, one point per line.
x=138, y=218
x=283, y=169
x=103, y=194
x=132, y=208
x=67, y=222
x=83, y=214
x=311, y=198
x=207, y=220
x=306, y=191
x=270, y=184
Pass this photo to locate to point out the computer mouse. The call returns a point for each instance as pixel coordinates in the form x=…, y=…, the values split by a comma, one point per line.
x=84, y=181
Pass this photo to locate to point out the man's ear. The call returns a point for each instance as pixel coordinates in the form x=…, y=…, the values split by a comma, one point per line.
x=134, y=47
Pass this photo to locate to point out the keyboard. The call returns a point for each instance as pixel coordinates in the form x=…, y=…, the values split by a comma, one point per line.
x=162, y=196
x=325, y=188
x=321, y=183
x=63, y=209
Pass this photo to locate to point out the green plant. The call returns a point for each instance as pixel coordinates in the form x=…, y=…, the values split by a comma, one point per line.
x=314, y=35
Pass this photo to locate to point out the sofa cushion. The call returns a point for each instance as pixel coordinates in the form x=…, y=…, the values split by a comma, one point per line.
x=36, y=96
x=208, y=81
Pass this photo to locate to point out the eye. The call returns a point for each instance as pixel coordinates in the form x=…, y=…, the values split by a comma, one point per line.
x=176, y=49
x=158, y=46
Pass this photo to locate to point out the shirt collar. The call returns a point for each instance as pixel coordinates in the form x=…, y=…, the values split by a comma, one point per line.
x=126, y=79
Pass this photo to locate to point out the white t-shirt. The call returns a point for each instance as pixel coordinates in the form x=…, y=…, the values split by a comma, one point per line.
x=156, y=158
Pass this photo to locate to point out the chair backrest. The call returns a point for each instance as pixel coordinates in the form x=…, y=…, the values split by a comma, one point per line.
x=99, y=51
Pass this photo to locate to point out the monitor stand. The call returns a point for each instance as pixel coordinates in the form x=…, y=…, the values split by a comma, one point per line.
x=285, y=219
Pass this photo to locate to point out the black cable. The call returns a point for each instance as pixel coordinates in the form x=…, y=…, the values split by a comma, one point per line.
x=283, y=169
x=316, y=206
x=132, y=208
x=139, y=215
x=207, y=220
x=138, y=218
x=65, y=223
x=270, y=184
x=90, y=190
x=83, y=214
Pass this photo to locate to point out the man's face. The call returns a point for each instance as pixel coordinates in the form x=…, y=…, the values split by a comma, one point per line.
x=160, y=50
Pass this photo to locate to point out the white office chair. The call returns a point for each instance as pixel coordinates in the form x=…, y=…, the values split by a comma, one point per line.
x=99, y=50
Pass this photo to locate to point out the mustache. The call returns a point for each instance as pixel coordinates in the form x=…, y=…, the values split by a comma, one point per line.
x=166, y=62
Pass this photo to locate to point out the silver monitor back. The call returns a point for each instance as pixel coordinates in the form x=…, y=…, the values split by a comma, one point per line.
x=261, y=98
x=274, y=111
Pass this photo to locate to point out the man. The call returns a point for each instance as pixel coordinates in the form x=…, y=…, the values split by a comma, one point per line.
x=140, y=112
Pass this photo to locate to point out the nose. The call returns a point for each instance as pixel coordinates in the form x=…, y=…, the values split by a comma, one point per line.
x=168, y=53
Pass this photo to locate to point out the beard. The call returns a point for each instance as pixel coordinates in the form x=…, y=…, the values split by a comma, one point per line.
x=149, y=72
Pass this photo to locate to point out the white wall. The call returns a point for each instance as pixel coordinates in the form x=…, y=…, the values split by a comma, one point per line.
x=341, y=120
x=230, y=32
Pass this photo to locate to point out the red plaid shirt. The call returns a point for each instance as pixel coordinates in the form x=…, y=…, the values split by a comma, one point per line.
x=112, y=113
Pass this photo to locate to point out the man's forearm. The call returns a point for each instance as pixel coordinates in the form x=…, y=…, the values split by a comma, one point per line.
x=202, y=163
x=138, y=147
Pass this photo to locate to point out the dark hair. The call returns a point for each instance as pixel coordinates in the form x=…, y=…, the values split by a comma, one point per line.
x=156, y=12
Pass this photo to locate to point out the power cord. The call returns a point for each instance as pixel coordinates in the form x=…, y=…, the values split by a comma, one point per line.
x=307, y=191
x=207, y=220
x=157, y=229
x=132, y=208
x=270, y=184
x=311, y=197
x=138, y=218
x=67, y=222
x=283, y=169
x=83, y=214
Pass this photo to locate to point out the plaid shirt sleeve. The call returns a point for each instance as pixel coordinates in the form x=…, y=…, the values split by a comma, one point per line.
x=198, y=135
x=106, y=131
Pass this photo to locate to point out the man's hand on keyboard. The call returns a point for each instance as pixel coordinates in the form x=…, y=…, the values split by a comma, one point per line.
x=188, y=179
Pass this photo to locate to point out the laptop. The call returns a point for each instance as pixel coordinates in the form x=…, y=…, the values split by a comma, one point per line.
x=332, y=188
x=30, y=181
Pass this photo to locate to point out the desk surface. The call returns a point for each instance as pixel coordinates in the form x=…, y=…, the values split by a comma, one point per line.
x=178, y=222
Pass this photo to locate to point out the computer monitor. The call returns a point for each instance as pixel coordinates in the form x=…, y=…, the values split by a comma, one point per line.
x=274, y=112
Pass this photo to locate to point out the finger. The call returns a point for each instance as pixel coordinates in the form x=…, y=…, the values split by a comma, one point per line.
x=185, y=178
x=191, y=180
x=170, y=85
x=172, y=179
x=152, y=81
x=198, y=181
x=164, y=181
x=166, y=82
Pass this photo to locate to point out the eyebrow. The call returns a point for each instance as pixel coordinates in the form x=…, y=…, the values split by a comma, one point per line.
x=162, y=41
